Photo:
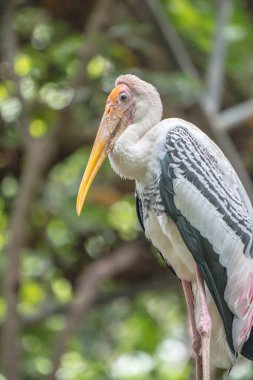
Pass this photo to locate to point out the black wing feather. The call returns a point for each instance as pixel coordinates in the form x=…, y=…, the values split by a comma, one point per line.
x=139, y=210
x=201, y=249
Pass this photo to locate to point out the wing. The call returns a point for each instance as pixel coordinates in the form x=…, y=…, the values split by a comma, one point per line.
x=139, y=211
x=212, y=214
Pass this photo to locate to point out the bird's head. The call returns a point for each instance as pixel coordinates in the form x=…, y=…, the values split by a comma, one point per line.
x=130, y=99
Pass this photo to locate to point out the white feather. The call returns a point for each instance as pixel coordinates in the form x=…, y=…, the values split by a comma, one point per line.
x=137, y=155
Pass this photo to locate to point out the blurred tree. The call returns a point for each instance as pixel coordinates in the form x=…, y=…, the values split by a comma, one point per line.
x=58, y=60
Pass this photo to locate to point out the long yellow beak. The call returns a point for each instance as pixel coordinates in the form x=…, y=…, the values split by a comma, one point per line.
x=102, y=146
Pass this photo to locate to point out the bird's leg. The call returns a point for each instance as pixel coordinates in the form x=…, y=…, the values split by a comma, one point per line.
x=204, y=326
x=196, y=340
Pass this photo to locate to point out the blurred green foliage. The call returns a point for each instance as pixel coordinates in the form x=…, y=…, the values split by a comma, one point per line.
x=134, y=338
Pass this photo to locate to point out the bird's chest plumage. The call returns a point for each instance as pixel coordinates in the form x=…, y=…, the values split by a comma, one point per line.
x=164, y=234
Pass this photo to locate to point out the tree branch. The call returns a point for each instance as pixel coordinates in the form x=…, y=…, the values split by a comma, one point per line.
x=158, y=284
x=17, y=228
x=172, y=39
x=87, y=290
x=216, y=68
x=32, y=173
x=234, y=116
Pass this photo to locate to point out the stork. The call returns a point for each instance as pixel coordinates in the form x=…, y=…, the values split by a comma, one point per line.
x=194, y=209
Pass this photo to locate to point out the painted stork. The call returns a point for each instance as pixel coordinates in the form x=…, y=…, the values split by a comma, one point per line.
x=194, y=209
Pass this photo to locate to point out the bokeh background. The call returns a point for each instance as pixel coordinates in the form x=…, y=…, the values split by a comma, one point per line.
x=88, y=298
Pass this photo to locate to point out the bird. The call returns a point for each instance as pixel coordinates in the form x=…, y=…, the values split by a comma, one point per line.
x=193, y=208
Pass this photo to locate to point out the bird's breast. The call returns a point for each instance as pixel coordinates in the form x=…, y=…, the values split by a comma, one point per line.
x=164, y=235
x=163, y=232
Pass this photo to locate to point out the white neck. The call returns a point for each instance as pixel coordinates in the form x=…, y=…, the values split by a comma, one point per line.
x=131, y=154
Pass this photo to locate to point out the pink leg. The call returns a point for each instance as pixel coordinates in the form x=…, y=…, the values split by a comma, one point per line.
x=196, y=340
x=204, y=326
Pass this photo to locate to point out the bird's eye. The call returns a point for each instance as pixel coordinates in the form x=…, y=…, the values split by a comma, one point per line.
x=123, y=96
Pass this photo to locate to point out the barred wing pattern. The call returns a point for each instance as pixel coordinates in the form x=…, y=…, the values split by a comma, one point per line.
x=215, y=223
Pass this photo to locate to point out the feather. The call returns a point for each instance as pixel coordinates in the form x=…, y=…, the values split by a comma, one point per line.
x=139, y=212
x=214, y=219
